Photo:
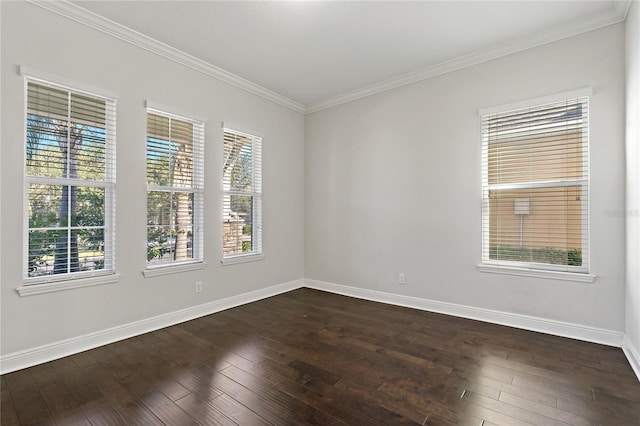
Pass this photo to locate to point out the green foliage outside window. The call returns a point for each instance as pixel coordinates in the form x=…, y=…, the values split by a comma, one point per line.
x=554, y=256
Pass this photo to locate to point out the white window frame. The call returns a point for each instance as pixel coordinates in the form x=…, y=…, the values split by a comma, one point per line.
x=107, y=275
x=197, y=189
x=256, y=156
x=530, y=269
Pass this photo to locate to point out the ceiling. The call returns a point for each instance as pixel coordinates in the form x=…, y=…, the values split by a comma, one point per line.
x=313, y=52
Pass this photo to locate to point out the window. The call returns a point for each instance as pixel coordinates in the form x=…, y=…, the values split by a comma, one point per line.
x=535, y=186
x=242, y=197
x=175, y=189
x=69, y=184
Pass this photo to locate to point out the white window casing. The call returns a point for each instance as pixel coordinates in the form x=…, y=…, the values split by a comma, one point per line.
x=242, y=197
x=69, y=185
x=175, y=191
x=535, y=187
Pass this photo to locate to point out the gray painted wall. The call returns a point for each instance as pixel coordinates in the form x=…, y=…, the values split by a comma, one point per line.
x=393, y=185
x=386, y=184
x=39, y=39
x=633, y=175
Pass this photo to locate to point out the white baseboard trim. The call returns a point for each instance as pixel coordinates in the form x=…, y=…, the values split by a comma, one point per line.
x=49, y=352
x=542, y=325
x=45, y=353
x=632, y=353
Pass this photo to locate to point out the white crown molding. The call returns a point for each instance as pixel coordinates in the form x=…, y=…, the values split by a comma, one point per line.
x=525, y=322
x=41, y=354
x=83, y=16
x=617, y=13
x=614, y=15
x=622, y=7
x=633, y=355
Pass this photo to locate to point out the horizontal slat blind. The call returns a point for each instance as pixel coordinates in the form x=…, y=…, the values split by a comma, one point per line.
x=56, y=117
x=170, y=149
x=242, y=199
x=535, y=186
x=175, y=189
x=70, y=183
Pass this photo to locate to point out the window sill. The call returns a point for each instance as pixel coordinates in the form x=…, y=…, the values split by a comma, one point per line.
x=49, y=287
x=537, y=273
x=157, y=271
x=241, y=258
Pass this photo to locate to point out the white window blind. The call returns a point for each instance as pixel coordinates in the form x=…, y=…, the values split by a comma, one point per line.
x=242, y=194
x=175, y=189
x=69, y=183
x=535, y=180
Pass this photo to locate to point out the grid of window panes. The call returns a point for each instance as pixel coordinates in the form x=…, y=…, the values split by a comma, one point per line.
x=174, y=189
x=70, y=177
x=535, y=186
x=242, y=198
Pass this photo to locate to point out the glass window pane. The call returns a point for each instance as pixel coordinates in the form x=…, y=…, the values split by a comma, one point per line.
x=169, y=152
x=237, y=224
x=47, y=101
x=238, y=173
x=91, y=249
x=159, y=244
x=87, y=155
x=88, y=209
x=182, y=204
x=159, y=207
x=542, y=225
x=45, y=155
x=42, y=250
x=526, y=158
x=166, y=244
x=45, y=206
x=64, y=251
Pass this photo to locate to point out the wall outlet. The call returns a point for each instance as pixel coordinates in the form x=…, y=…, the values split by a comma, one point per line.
x=198, y=286
x=401, y=278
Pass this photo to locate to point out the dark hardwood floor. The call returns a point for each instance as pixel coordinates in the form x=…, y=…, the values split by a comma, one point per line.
x=309, y=357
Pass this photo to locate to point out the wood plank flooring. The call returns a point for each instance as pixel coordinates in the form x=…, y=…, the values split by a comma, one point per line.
x=310, y=357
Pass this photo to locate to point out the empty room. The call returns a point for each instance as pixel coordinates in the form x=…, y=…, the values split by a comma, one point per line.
x=320, y=212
